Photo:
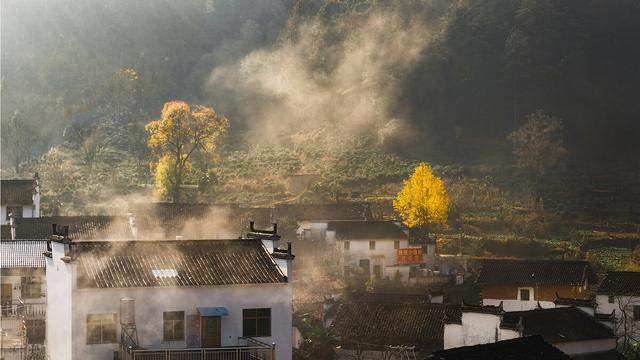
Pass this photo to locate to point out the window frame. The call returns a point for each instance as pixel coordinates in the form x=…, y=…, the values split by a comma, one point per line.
x=611, y=299
x=177, y=323
x=396, y=244
x=530, y=295
x=102, y=321
x=260, y=321
x=30, y=285
x=372, y=245
x=346, y=245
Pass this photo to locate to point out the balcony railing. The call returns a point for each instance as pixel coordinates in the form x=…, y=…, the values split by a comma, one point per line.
x=24, y=310
x=247, y=349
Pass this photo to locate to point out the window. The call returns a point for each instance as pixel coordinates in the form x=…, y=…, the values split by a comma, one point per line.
x=30, y=287
x=396, y=244
x=256, y=322
x=173, y=324
x=524, y=294
x=636, y=313
x=372, y=245
x=347, y=245
x=101, y=328
x=16, y=211
x=35, y=331
x=611, y=299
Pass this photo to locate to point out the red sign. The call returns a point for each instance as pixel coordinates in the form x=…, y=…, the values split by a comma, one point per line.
x=409, y=256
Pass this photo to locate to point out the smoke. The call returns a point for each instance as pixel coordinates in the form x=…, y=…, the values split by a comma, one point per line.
x=350, y=85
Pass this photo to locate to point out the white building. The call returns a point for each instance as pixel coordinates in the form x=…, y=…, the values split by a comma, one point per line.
x=19, y=198
x=619, y=294
x=373, y=248
x=569, y=329
x=215, y=296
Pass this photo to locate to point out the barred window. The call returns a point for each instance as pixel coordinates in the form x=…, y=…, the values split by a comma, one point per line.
x=173, y=322
x=256, y=322
x=101, y=329
x=30, y=287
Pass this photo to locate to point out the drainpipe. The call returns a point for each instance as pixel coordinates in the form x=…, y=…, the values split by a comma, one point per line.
x=12, y=224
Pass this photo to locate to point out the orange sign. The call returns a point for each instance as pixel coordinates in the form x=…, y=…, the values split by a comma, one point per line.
x=409, y=256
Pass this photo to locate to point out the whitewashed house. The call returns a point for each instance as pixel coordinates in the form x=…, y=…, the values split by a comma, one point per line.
x=569, y=329
x=619, y=295
x=151, y=299
x=375, y=249
x=521, y=284
x=19, y=198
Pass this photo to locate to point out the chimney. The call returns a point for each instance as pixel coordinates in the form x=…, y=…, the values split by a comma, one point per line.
x=12, y=224
x=133, y=226
x=36, y=194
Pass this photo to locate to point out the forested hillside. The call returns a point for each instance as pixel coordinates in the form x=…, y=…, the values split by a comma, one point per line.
x=354, y=91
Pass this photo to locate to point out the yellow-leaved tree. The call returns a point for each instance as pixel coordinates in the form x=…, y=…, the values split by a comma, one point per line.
x=423, y=199
x=180, y=132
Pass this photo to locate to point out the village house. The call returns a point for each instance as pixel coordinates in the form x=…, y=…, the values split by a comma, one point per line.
x=313, y=219
x=522, y=284
x=379, y=326
x=569, y=329
x=150, y=298
x=23, y=297
x=375, y=249
x=19, y=198
x=619, y=295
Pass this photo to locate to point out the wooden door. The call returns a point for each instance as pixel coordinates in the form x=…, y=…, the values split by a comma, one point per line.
x=6, y=294
x=365, y=265
x=210, y=328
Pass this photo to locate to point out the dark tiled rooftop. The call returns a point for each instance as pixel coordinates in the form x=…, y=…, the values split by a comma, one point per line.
x=620, y=283
x=80, y=227
x=372, y=323
x=364, y=230
x=22, y=254
x=123, y=264
x=604, y=355
x=324, y=212
x=543, y=272
x=526, y=348
x=558, y=325
x=17, y=192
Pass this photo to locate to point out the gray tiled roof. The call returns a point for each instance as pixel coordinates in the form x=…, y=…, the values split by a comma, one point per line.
x=620, y=283
x=525, y=348
x=17, y=192
x=364, y=230
x=543, y=272
x=325, y=212
x=22, y=254
x=80, y=227
x=123, y=264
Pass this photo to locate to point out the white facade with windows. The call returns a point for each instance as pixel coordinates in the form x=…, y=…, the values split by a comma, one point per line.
x=85, y=322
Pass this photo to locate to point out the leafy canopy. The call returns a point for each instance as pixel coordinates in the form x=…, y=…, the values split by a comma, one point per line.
x=423, y=199
x=176, y=136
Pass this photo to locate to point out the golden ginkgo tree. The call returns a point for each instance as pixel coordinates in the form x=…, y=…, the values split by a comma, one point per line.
x=423, y=199
x=181, y=131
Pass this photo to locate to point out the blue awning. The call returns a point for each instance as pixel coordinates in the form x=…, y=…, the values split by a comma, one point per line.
x=213, y=311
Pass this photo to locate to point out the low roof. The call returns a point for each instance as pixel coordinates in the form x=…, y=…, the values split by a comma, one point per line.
x=557, y=325
x=80, y=227
x=196, y=221
x=365, y=230
x=525, y=348
x=17, y=192
x=322, y=212
x=604, y=355
x=123, y=264
x=22, y=254
x=543, y=272
x=620, y=283
x=373, y=323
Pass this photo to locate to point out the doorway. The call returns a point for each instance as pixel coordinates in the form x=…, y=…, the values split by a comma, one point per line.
x=6, y=295
x=211, y=336
x=365, y=265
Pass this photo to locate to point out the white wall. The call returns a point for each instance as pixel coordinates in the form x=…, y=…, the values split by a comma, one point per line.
x=479, y=328
x=28, y=211
x=453, y=336
x=150, y=303
x=620, y=302
x=586, y=347
x=385, y=254
x=518, y=305
x=59, y=305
